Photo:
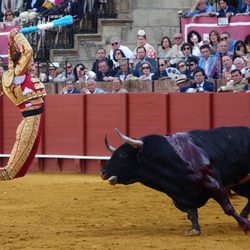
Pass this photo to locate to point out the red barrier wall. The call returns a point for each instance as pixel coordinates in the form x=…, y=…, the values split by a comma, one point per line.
x=76, y=124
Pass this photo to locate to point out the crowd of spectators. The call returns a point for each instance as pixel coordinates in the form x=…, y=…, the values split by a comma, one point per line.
x=194, y=65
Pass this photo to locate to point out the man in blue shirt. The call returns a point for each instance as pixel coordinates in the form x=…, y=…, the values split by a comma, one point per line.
x=200, y=8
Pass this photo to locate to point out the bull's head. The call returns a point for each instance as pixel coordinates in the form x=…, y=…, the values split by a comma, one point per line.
x=122, y=166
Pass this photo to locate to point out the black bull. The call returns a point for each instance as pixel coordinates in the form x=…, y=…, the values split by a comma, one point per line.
x=189, y=167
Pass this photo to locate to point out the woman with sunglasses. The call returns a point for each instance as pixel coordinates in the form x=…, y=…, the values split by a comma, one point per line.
x=117, y=55
x=82, y=74
x=147, y=74
x=240, y=50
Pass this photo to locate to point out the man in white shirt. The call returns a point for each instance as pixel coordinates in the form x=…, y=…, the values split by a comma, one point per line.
x=116, y=43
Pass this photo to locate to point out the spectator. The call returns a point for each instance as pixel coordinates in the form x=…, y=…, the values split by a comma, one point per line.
x=116, y=44
x=53, y=71
x=240, y=64
x=240, y=50
x=244, y=10
x=104, y=73
x=237, y=83
x=247, y=43
x=147, y=73
x=182, y=83
x=117, y=86
x=186, y=49
x=225, y=36
x=214, y=37
x=207, y=60
x=194, y=38
x=36, y=72
x=178, y=40
x=200, y=84
x=200, y=8
x=193, y=66
x=141, y=57
x=125, y=73
x=162, y=66
x=142, y=42
x=14, y=5
x=70, y=88
x=227, y=67
x=9, y=19
x=247, y=85
x=67, y=74
x=166, y=48
x=82, y=74
x=118, y=54
x=182, y=67
x=223, y=49
x=91, y=88
x=101, y=55
x=226, y=10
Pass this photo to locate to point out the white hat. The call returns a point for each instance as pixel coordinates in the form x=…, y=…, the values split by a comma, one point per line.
x=54, y=65
x=141, y=33
x=180, y=79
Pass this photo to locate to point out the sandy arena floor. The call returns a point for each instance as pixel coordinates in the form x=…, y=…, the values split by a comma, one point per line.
x=41, y=211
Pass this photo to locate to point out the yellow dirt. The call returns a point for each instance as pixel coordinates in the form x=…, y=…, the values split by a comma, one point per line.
x=42, y=211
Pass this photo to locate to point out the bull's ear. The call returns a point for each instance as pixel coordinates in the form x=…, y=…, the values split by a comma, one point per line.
x=133, y=142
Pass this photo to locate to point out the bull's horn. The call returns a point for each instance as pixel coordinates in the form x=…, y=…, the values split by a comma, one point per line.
x=133, y=142
x=109, y=147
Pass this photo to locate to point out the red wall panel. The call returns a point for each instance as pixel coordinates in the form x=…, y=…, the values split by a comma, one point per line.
x=190, y=111
x=64, y=124
x=231, y=109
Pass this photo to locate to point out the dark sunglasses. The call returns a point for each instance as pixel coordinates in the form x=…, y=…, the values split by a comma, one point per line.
x=67, y=67
x=81, y=68
x=162, y=65
x=146, y=67
x=115, y=43
x=181, y=66
x=191, y=64
x=224, y=38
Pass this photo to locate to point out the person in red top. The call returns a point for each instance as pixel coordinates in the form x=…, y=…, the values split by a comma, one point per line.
x=27, y=94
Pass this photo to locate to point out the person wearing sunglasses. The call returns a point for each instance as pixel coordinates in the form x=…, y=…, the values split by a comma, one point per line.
x=225, y=36
x=192, y=64
x=182, y=67
x=82, y=74
x=118, y=54
x=147, y=73
x=116, y=43
x=67, y=74
x=162, y=66
x=142, y=57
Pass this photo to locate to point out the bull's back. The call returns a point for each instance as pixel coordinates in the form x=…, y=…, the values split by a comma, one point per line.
x=228, y=149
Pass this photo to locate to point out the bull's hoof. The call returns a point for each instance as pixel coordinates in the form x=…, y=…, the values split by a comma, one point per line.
x=193, y=232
